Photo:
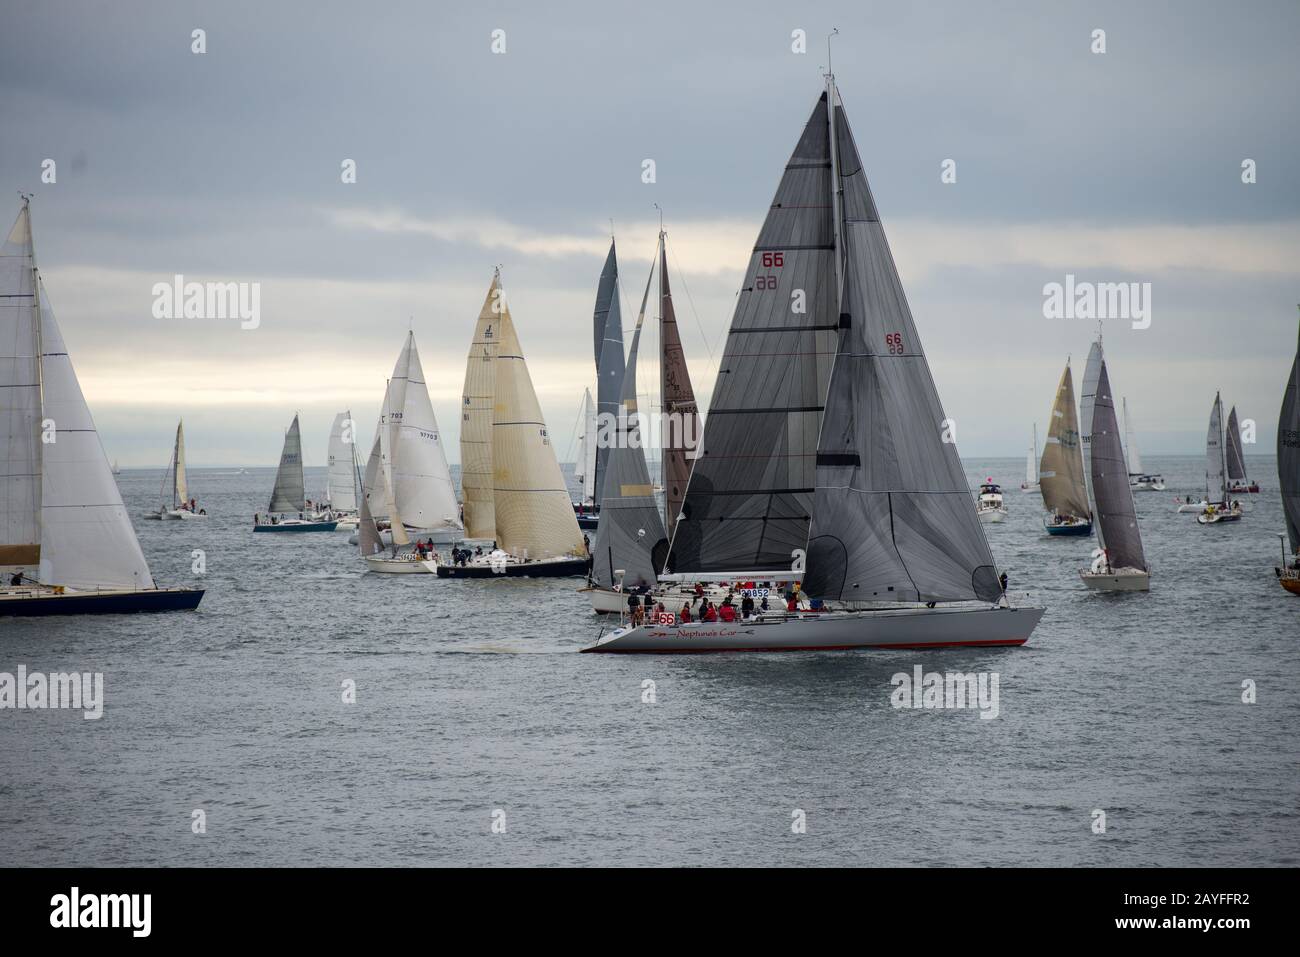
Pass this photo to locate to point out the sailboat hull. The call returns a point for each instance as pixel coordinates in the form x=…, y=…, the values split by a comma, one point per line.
x=1078, y=529
x=1289, y=578
x=26, y=602
x=837, y=631
x=296, y=526
x=401, y=566
x=1129, y=581
x=545, y=568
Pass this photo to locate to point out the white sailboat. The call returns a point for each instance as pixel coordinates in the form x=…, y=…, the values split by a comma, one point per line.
x=380, y=478
x=1119, y=563
x=1220, y=507
x=587, y=508
x=176, y=504
x=515, y=494
x=289, y=495
x=66, y=542
x=1032, y=482
x=340, y=483
x=1138, y=480
x=876, y=518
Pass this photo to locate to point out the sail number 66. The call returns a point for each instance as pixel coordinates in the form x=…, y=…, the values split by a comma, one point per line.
x=894, y=341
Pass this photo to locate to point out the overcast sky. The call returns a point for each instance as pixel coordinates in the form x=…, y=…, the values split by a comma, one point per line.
x=225, y=166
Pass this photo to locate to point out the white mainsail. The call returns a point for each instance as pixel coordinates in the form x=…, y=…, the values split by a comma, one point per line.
x=1031, y=461
x=421, y=479
x=180, y=486
x=585, y=469
x=1216, y=466
x=1134, y=457
x=386, y=439
x=341, y=482
x=62, y=520
x=477, y=412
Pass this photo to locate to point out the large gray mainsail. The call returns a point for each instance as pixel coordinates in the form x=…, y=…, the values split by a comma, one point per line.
x=749, y=499
x=1087, y=398
x=893, y=518
x=1236, y=460
x=630, y=532
x=1216, y=479
x=1288, y=453
x=1117, y=528
x=288, y=494
x=610, y=365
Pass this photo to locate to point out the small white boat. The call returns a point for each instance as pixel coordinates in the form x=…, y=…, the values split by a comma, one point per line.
x=1215, y=514
x=990, y=507
x=1146, y=483
x=1031, y=482
x=176, y=506
x=403, y=563
x=1117, y=579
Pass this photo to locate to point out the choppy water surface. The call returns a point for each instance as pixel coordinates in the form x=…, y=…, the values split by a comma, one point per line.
x=471, y=698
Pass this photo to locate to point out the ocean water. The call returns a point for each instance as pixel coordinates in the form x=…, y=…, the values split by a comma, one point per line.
x=472, y=707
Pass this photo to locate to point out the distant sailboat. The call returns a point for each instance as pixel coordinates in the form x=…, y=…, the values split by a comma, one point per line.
x=585, y=469
x=340, y=488
x=1219, y=507
x=875, y=515
x=1238, y=483
x=1288, y=475
x=117, y=469
x=289, y=495
x=1138, y=480
x=176, y=503
x=1032, y=482
x=1065, y=490
x=1119, y=562
x=67, y=545
x=515, y=494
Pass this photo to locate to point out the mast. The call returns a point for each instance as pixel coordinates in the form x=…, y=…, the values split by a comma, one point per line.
x=40, y=384
x=837, y=185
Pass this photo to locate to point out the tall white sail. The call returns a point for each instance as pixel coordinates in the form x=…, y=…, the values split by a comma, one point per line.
x=421, y=479
x=87, y=540
x=1031, y=460
x=585, y=469
x=341, y=481
x=387, y=435
x=20, y=425
x=1216, y=476
x=180, y=485
x=477, y=412
x=289, y=494
x=1130, y=444
x=375, y=485
x=534, y=515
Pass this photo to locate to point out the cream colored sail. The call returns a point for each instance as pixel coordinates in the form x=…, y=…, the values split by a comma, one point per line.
x=181, y=489
x=534, y=515
x=386, y=419
x=1061, y=474
x=477, y=403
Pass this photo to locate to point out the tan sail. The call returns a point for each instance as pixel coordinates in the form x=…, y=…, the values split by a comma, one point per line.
x=681, y=414
x=477, y=402
x=534, y=515
x=1065, y=491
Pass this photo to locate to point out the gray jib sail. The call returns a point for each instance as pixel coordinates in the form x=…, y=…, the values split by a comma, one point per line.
x=608, y=322
x=1117, y=527
x=894, y=519
x=1216, y=481
x=749, y=499
x=288, y=494
x=681, y=421
x=630, y=532
x=1087, y=397
x=1288, y=453
x=368, y=539
x=1236, y=460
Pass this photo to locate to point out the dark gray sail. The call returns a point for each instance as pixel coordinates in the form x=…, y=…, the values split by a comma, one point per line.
x=368, y=539
x=1117, y=527
x=1236, y=460
x=1288, y=453
x=630, y=530
x=608, y=323
x=894, y=519
x=681, y=431
x=749, y=499
x=288, y=494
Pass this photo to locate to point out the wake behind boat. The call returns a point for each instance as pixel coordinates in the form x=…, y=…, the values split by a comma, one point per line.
x=879, y=520
x=67, y=546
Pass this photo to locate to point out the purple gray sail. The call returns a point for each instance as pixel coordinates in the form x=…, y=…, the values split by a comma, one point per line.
x=681, y=416
x=1236, y=460
x=630, y=530
x=749, y=500
x=608, y=328
x=1288, y=453
x=893, y=518
x=1117, y=527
